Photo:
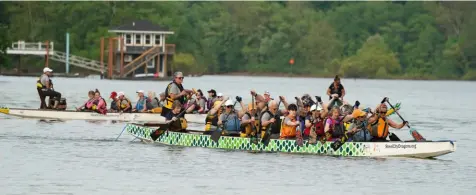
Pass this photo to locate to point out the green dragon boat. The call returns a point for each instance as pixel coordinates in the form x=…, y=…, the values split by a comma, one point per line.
x=426, y=149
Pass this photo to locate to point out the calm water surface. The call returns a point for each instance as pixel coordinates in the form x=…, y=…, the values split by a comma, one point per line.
x=79, y=157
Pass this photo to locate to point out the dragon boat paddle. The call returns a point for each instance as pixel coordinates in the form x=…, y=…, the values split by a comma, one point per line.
x=417, y=136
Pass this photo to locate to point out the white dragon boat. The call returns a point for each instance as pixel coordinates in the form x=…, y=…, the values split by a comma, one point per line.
x=412, y=149
x=77, y=115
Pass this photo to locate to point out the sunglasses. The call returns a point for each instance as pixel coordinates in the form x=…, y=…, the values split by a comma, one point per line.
x=383, y=112
x=229, y=106
x=181, y=78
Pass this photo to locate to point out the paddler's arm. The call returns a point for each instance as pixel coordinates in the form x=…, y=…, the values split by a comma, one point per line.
x=220, y=119
x=343, y=92
x=393, y=124
x=243, y=109
x=215, y=109
x=327, y=127
x=266, y=120
x=283, y=99
x=325, y=110
x=258, y=98
x=308, y=123
x=288, y=121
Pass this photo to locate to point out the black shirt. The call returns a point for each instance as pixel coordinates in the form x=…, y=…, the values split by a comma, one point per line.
x=337, y=91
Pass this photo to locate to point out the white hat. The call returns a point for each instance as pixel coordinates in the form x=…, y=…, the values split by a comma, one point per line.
x=220, y=94
x=140, y=91
x=315, y=107
x=229, y=103
x=120, y=93
x=46, y=69
x=266, y=93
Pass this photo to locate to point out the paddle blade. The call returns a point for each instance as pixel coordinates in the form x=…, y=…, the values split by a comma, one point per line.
x=156, y=134
x=216, y=135
x=417, y=136
x=266, y=138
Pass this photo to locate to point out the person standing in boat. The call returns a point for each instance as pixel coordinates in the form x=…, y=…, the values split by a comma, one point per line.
x=141, y=102
x=174, y=92
x=123, y=103
x=114, y=107
x=336, y=91
x=45, y=88
x=379, y=124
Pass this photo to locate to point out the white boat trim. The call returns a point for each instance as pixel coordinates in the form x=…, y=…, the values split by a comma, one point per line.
x=76, y=115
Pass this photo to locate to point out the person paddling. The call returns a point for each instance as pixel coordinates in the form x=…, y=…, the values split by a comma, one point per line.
x=141, y=104
x=379, y=124
x=113, y=104
x=87, y=106
x=99, y=103
x=175, y=118
x=123, y=103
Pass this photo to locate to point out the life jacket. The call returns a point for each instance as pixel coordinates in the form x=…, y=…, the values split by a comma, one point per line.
x=123, y=105
x=287, y=131
x=168, y=100
x=141, y=103
x=178, y=125
x=232, y=122
x=275, y=127
x=336, y=128
x=379, y=129
x=101, y=110
x=318, y=125
x=39, y=85
x=114, y=105
x=212, y=119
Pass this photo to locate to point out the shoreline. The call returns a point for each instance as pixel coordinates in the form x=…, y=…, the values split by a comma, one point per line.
x=277, y=75
x=283, y=75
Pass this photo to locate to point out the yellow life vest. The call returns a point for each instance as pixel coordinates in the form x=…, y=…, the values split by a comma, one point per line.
x=246, y=129
x=168, y=99
x=379, y=129
x=213, y=119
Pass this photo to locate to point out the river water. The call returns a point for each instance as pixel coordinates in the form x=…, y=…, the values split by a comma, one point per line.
x=79, y=157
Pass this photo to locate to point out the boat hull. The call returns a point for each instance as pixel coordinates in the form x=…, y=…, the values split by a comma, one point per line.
x=428, y=149
x=75, y=115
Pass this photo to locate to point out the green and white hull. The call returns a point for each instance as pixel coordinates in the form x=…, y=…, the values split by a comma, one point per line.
x=426, y=149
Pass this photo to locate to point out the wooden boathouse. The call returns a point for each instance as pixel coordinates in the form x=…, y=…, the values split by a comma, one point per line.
x=138, y=49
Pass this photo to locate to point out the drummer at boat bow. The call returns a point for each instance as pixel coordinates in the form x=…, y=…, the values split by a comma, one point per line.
x=336, y=89
x=45, y=88
x=379, y=124
x=174, y=92
x=141, y=102
x=230, y=119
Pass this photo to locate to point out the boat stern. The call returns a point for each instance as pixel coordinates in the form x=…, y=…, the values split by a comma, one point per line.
x=4, y=110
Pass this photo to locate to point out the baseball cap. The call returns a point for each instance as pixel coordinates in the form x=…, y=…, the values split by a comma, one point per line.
x=357, y=112
x=140, y=91
x=229, y=103
x=266, y=93
x=113, y=94
x=316, y=107
x=178, y=74
x=46, y=69
x=219, y=94
x=212, y=91
x=120, y=93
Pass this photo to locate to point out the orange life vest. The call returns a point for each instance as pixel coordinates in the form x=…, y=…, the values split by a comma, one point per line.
x=287, y=131
x=379, y=129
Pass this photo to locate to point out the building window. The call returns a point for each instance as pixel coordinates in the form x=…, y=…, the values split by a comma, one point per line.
x=157, y=40
x=128, y=38
x=151, y=62
x=138, y=39
x=147, y=40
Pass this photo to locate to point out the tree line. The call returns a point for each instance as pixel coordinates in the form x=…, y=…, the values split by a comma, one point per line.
x=414, y=40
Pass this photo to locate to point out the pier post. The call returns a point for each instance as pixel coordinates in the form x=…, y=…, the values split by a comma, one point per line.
x=67, y=53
